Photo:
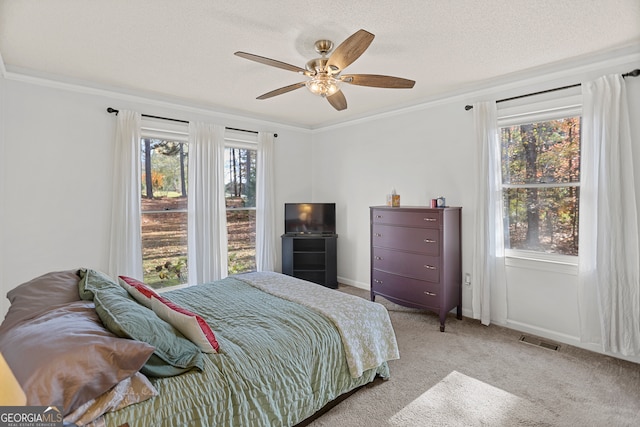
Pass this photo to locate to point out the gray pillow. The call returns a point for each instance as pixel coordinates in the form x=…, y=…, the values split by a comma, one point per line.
x=66, y=357
x=94, y=280
x=39, y=295
x=125, y=317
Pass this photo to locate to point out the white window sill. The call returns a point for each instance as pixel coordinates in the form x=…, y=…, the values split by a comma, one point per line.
x=564, y=264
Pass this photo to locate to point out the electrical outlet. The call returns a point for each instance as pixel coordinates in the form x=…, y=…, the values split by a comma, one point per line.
x=467, y=279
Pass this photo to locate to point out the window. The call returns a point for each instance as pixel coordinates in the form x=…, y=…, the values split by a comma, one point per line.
x=164, y=194
x=541, y=181
x=240, y=197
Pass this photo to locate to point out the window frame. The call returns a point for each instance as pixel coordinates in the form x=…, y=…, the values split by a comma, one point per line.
x=176, y=131
x=245, y=141
x=552, y=108
x=164, y=130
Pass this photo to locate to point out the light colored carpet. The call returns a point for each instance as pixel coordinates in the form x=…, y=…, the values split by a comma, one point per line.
x=459, y=400
x=473, y=375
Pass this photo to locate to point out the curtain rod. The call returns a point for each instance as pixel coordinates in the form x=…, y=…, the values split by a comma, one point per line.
x=634, y=73
x=114, y=111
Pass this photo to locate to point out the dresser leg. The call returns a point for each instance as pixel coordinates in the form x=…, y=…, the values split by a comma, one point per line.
x=441, y=327
x=459, y=312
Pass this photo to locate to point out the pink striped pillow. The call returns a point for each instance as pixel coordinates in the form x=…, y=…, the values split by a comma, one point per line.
x=192, y=326
x=138, y=290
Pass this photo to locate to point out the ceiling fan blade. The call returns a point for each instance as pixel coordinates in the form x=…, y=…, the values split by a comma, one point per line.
x=375, y=80
x=281, y=90
x=338, y=101
x=350, y=49
x=271, y=62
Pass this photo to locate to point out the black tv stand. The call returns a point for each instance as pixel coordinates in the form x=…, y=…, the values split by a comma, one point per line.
x=311, y=257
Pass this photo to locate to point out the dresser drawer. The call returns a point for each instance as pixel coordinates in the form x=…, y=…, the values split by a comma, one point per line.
x=426, y=218
x=423, y=240
x=406, y=289
x=407, y=264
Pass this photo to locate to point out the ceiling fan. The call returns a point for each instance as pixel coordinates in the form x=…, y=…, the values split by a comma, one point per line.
x=324, y=72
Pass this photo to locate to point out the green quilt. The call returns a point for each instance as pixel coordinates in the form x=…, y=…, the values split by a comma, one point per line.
x=279, y=363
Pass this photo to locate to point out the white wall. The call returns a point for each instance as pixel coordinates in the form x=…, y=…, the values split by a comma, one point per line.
x=429, y=151
x=422, y=154
x=56, y=161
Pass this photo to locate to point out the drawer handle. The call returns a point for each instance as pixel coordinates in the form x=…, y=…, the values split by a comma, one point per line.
x=378, y=258
x=378, y=216
x=431, y=294
x=377, y=281
x=430, y=219
x=429, y=267
x=378, y=235
x=429, y=241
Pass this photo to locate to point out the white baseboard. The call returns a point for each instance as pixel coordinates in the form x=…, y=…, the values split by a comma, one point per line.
x=542, y=332
x=360, y=285
x=564, y=339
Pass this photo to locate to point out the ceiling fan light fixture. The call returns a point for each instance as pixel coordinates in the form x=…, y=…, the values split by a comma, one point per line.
x=323, y=85
x=324, y=72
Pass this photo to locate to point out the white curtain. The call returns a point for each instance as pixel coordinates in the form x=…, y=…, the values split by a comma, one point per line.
x=207, y=217
x=609, y=279
x=125, y=246
x=265, y=209
x=488, y=249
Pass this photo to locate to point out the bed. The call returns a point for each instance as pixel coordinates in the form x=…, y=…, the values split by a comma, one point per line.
x=255, y=349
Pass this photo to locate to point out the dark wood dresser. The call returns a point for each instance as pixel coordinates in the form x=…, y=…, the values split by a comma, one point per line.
x=416, y=259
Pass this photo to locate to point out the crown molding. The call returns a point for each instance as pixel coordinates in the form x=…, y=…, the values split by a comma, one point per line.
x=219, y=114
x=557, y=74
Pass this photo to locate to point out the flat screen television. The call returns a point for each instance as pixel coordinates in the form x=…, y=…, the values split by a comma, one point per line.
x=310, y=218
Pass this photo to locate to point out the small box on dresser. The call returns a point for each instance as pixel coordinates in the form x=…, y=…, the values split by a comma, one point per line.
x=416, y=258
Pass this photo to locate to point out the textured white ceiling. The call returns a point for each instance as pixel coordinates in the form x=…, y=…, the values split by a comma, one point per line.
x=183, y=50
